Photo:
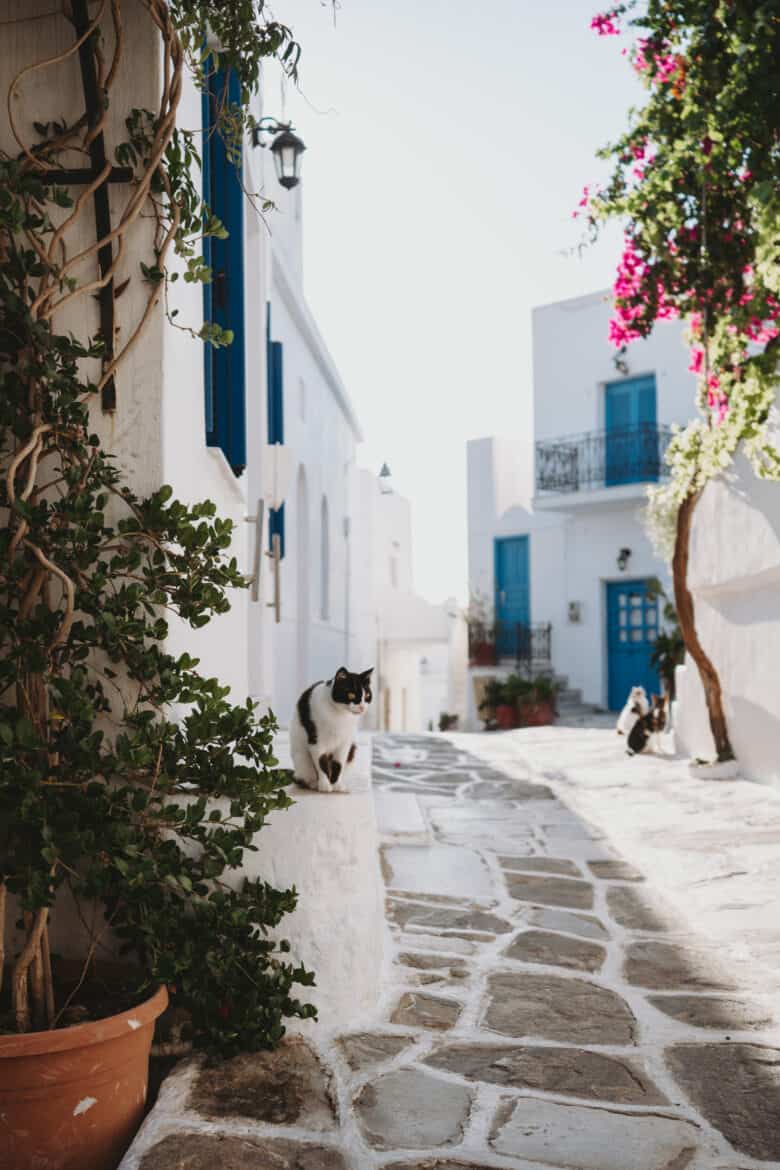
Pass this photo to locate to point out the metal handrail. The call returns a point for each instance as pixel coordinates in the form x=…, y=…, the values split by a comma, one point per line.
x=607, y=458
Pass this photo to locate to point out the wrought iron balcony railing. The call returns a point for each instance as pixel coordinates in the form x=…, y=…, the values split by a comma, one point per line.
x=600, y=459
x=528, y=646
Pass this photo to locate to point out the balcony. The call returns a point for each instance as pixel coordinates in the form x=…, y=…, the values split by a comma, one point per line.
x=528, y=646
x=602, y=459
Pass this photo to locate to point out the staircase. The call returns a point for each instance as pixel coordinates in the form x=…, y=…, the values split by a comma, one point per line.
x=572, y=712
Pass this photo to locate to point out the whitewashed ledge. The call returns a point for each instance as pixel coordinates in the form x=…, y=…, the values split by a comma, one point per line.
x=327, y=846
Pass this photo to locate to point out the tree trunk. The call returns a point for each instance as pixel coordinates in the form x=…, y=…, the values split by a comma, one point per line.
x=685, y=615
x=19, y=980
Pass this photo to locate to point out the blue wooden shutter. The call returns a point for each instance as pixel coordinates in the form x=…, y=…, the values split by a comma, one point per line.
x=275, y=364
x=223, y=299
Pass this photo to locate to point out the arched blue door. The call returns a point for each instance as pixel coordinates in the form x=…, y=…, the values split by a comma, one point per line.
x=632, y=628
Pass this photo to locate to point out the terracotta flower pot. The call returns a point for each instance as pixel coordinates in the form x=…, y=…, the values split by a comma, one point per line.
x=506, y=716
x=72, y=1099
x=538, y=714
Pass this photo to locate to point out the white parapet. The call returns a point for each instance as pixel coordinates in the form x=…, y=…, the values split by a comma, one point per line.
x=327, y=846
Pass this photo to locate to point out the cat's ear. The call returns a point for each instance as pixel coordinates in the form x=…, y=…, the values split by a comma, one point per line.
x=367, y=673
x=341, y=672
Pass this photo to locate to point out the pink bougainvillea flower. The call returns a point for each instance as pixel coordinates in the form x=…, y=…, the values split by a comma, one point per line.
x=604, y=24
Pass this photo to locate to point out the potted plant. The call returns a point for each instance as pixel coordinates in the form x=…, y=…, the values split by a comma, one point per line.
x=493, y=698
x=669, y=649
x=130, y=787
x=536, y=705
x=447, y=722
x=481, y=629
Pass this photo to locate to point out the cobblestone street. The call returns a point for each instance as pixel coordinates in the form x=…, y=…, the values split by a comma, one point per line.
x=542, y=1009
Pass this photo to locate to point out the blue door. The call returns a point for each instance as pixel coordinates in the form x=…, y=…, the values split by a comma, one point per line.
x=632, y=626
x=631, y=454
x=513, y=605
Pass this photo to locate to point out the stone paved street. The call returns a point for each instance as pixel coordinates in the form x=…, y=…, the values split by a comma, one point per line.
x=543, y=1010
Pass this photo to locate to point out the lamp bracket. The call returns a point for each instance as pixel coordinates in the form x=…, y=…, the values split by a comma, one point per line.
x=267, y=125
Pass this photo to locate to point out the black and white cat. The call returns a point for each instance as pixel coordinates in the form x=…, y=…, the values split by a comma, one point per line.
x=322, y=729
x=645, y=734
x=636, y=707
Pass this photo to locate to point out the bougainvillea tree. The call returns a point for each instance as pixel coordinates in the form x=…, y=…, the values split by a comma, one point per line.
x=695, y=184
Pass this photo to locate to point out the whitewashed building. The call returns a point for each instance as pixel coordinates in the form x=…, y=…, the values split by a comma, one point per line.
x=734, y=576
x=345, y=586
x=556, y=541
x=204, y=420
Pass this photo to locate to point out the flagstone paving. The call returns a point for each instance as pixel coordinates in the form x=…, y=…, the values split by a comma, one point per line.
x=543, y=1010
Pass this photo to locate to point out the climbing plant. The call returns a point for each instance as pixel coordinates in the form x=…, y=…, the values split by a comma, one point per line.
x=127, y=778
x=695, y=185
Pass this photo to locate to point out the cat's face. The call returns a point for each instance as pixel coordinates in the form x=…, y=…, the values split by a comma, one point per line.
x=638, y=696
x=352, y=690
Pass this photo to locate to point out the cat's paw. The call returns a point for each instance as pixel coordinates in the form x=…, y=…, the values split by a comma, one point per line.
x=310, y=784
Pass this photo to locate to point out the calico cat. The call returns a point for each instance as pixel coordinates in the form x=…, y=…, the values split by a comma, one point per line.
x=636, y=707
x=322, y=729
x=644, y=734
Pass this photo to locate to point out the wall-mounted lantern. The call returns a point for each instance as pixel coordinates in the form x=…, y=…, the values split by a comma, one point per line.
x=287, y=149
x=575, y=612
x=623, y=558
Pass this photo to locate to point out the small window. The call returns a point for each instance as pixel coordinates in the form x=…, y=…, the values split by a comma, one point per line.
x=324, y=561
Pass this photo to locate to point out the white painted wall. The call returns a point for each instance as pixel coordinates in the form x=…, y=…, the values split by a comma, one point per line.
x=734, y=575
x=323, y=443
x=574, y=538
x=572, y=361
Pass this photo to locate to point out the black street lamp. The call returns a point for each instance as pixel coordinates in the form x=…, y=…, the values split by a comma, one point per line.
x=287, y=149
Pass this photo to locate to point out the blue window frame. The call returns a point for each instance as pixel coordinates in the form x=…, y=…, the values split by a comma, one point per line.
x=223, y=299
x=275, y=378
x=632, y=446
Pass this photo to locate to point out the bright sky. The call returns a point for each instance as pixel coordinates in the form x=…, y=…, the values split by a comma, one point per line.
x=448, y=143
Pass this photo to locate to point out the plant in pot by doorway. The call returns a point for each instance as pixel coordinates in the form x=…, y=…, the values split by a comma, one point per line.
x=536, y=707
x=669, y=648
x=494, y=699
